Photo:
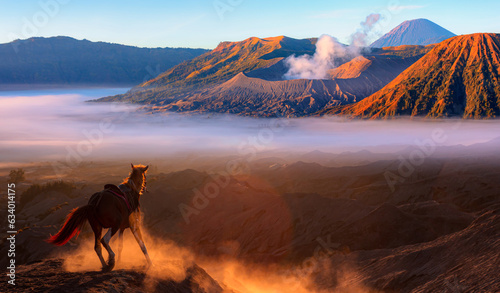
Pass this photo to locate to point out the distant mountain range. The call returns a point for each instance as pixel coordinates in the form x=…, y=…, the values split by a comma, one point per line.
x=420, y=69
x=414, y=32
x=457, y=77
x=64, y=60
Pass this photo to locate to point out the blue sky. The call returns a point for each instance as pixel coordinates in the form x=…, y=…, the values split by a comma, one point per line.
x=205, y=23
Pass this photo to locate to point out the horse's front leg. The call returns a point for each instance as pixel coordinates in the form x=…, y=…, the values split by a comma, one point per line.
x=136, y=230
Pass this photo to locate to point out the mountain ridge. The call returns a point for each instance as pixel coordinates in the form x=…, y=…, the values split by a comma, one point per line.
x=65, y=60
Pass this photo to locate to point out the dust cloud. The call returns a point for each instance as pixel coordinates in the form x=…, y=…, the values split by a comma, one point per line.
x=170, y=262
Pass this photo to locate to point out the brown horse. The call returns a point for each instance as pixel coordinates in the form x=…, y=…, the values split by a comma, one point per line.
x=116, y=208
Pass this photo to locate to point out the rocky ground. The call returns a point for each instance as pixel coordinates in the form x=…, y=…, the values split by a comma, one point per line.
x=49, y=276
x=289, y=221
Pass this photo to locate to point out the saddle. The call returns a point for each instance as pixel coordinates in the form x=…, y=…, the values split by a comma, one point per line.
x=118, y=192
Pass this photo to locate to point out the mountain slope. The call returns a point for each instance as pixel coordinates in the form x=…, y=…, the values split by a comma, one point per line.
x=414, y=32
x=459, y=77
x=64, y=60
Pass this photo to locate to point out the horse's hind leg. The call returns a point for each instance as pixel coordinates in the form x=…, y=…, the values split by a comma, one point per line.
x=105, y=242
x=97, y=246
x=120, y=244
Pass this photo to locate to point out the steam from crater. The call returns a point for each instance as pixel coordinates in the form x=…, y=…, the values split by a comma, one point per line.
x=361, y=36
x=317, y=65
x=329, y=52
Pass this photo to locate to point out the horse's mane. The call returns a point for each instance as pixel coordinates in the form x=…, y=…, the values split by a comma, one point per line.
x=134, y=174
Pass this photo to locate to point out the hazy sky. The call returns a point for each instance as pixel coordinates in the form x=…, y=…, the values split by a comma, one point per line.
x=204, y=23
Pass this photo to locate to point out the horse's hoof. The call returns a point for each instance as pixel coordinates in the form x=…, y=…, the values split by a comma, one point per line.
x=109, y=267
x=106, y=269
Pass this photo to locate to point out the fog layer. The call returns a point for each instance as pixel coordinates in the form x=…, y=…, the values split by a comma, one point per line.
x=59, y=125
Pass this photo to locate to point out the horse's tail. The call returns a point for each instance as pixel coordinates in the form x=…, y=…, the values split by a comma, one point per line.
x=73, y=224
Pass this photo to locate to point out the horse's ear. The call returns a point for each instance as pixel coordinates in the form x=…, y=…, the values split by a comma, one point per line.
x=146, y=168
x=132, y=165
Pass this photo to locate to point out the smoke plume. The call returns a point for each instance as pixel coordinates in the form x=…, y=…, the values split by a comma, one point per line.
x=360, y=37
x=328, y=50
x=317, y=65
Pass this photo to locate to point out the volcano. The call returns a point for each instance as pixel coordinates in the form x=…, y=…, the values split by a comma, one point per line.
x=414, y=32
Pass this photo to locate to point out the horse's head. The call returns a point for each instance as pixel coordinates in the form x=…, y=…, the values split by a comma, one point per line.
x=138, y=177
